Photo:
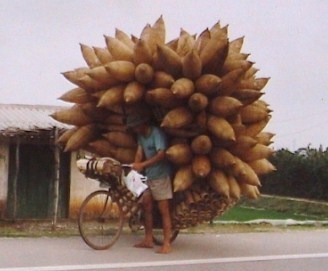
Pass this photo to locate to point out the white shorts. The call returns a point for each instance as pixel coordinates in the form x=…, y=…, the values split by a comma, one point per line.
x=160, y=189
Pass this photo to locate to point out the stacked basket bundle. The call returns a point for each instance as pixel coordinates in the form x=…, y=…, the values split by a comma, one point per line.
x=202, y=91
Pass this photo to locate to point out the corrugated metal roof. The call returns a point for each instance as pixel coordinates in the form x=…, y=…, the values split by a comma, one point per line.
x=15, y=118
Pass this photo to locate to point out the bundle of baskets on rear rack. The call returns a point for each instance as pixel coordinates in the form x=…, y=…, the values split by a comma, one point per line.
x=198, y=206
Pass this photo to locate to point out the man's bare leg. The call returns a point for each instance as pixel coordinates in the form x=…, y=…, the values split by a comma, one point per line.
x=147, y=204
x=163, y=206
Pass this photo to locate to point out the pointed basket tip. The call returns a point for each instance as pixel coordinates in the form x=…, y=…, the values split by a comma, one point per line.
x=66, y=149
x=107, y=38
x=99, y=104
x=128, y=99
x=82, y=45
x=65, y=73
x=160, y=19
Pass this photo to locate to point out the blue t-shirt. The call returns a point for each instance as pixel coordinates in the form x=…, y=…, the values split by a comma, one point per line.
x=151, y=145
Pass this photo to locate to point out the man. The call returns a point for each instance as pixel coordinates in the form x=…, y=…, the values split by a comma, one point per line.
x=150, y=157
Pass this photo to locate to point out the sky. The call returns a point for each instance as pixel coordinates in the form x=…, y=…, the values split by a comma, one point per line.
x=287, y=40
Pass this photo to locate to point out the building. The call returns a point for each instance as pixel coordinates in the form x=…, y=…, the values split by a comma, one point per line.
x=38, y=180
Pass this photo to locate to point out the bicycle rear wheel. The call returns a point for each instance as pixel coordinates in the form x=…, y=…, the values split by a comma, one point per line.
x=100, y=220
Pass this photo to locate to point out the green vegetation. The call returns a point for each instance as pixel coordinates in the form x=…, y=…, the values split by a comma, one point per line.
x=301, y=174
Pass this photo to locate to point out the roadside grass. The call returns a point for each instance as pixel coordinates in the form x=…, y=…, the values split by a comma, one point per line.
x=242, y=214
x=270, y=207
x=266, y=207
x=283, y=207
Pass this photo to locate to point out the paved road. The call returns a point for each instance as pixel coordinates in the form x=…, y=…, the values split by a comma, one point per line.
x=294, y=250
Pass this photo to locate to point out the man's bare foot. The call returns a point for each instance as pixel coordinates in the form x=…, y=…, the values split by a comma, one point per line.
x=144, y=245
x=164, y=250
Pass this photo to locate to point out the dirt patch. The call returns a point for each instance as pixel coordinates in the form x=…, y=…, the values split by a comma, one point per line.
x=38, y=228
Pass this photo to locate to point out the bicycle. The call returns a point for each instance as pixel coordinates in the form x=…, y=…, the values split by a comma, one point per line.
x=104, y=212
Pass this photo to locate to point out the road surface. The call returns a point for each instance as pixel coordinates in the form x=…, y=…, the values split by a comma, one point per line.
x=290, y=250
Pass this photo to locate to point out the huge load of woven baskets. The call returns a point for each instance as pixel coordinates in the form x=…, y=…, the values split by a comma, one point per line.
x=202, y=91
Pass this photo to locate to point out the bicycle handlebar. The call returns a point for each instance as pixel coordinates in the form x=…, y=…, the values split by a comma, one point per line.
x=126, y=165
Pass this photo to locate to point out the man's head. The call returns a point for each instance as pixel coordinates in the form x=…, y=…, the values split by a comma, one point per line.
x=137, y=122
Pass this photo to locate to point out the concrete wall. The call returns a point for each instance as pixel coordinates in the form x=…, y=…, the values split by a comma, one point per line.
x=4, y=168
x=80, y=188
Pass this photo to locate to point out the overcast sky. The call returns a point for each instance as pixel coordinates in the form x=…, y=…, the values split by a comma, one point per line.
x=287, y=40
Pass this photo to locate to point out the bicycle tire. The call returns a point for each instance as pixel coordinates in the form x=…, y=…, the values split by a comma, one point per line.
x=100, y=220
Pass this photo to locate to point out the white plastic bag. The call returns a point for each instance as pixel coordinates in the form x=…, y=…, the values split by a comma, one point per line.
x=135, y=182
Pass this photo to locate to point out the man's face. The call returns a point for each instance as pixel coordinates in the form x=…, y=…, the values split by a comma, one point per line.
x=140, y=129
x=137, y=129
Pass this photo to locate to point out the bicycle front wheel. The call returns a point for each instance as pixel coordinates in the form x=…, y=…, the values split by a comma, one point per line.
x=100, y=220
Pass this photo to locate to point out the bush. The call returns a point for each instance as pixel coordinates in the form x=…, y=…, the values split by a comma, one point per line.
x=303, y=173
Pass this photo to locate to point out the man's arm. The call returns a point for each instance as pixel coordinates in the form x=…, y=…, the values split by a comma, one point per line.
x=139, y=166
x=139, y=155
